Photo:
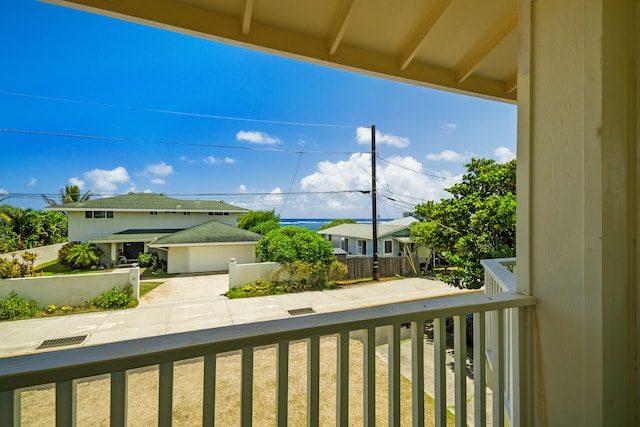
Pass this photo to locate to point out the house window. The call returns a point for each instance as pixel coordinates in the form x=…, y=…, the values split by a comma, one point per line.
x=153, y=213
x=344, y=244
x=388, y=247
x=99, y=214
x=109, y=214
x=88, y=214
x=362, y=247
x=186, y=213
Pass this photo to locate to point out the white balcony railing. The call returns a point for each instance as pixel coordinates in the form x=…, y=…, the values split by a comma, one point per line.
x=65, y=368
x=499, y=278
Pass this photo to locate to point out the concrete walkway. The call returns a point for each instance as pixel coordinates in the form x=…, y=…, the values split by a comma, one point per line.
x=191, y=302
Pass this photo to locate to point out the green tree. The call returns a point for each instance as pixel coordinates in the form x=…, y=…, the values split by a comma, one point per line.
x=260, y=222
x=288, y=244
x=477, y=222
x=84, y=255
x=24, y=223
x=69, y=194
x=338, y=221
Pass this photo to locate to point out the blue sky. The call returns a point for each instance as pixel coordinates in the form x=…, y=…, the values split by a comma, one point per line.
x=116, y=107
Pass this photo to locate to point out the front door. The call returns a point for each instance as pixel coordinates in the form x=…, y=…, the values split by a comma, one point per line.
x=132, y=249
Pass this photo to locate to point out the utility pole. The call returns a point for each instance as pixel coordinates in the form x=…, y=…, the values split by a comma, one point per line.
x=374, y=208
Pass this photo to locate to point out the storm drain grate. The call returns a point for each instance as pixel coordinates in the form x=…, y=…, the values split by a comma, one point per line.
x=300, y=311
x=61, y=342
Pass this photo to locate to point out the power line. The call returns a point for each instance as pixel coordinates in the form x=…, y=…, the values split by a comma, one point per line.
x=420, y=172
x=151, y=141
x=178, y=113
x=253, y=194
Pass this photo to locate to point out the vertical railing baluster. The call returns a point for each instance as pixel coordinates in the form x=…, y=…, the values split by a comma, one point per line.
x=66, y=403
x=342, y=379
x=282, y=383
x=313, y=382
x=209, y=391
x=10, y=408
x=440, y=379
x=479, y=371
x=118, y=403
x=497, y=371
x=460, y=368
x=394, y=374
x=369, y=377
x=246, y=388
x=165, y=392
x=417, y=373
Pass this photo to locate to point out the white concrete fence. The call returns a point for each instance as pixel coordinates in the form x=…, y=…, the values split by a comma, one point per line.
x=45, y=254
x=73, y=290
x=241, y=274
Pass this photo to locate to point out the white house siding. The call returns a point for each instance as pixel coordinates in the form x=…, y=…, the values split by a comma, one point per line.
x=182, y=259
x=84, y=229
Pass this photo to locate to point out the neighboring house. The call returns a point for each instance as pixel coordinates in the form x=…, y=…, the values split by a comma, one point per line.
x=124, y=226
x=357, y=239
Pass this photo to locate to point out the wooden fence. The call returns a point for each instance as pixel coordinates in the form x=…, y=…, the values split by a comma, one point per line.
x=362, y=267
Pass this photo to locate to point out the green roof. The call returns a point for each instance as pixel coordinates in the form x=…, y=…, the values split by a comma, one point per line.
x=148, y=202
x=365, y=231
x=135, y=235
x=209, y=232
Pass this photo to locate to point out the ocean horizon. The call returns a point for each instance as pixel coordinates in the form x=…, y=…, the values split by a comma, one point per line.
x=315, y=223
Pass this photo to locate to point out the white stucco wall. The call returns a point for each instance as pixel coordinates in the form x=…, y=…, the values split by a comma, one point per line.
x=242, y=273
x=71, y=290
x=45, y=254
x=83, y=229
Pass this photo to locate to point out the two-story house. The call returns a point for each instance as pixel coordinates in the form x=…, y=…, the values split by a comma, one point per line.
x=191, y=235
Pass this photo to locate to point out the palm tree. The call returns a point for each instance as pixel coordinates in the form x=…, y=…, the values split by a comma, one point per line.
x=84, y=255
x=69, y=194
x=24, y=223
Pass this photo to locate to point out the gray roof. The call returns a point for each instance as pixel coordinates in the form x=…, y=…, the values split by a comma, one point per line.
x=149, y=202
x=365, y=231
x=209, y=232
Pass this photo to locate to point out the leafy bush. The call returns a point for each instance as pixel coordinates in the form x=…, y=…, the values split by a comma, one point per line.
x=16, y=307
x=63, y=253
x=84, y=255
x=10, y=269
x=114, y=298
x=145, y=259
x=289, y=244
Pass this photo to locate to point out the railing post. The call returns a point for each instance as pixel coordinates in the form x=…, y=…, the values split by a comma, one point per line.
x=246, y=389
x=497, y=371
x=65, y=403
x=393, y=348
x=282, y=381
x=313, y=382
x=460, y=368
x=417, y=373
x=118, y=415
x=209, y=390
x=369, y=377
x=479, y=371
x=342, y=379
x=9, y=408
x=440, y=379
x=165, y=391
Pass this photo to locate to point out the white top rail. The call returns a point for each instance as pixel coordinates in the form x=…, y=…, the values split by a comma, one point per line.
x=42, y=368
x=497, y=273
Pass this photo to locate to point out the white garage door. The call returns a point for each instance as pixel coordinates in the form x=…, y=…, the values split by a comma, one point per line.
x=216, y=258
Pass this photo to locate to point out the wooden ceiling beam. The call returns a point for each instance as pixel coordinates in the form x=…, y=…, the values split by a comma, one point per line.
x=247, y=14
x=485, y=45
x=421, y=32
x=340, y=25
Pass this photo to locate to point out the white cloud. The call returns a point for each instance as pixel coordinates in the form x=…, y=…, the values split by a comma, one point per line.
x=160, y=169
x=211, y=160
x=3, y=191
x=504, y=154
x=450, y=126
x=257, y=137
x=401, y=178
x=107, y=180
x=242, y=188
x=448, y=156
x=274, y=198
x=158, y=181
x=77, y=181
x=363, y=135
x=32, y=182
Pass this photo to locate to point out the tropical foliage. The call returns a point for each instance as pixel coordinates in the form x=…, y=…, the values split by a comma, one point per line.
x=68, y=194
x=338, y=221
x=288, y=244
x=28, y=228
x=83, y=255
x=260, y=222
x=477, y=222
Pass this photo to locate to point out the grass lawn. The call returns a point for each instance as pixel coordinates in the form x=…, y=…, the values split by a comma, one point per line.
x=146, y=287
x=37, y=407
x=54, y=268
